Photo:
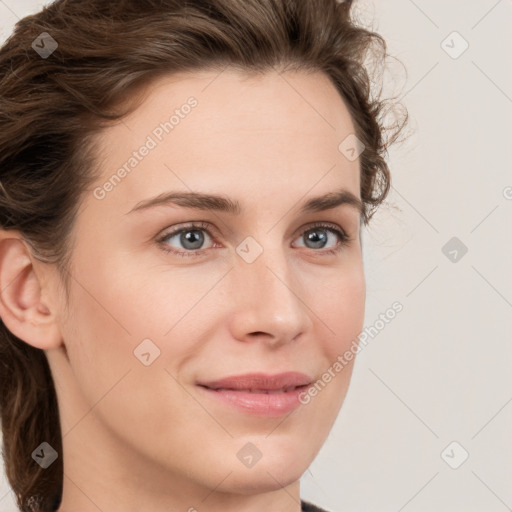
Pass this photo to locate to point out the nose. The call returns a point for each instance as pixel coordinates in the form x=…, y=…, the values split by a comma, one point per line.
x=269, y=303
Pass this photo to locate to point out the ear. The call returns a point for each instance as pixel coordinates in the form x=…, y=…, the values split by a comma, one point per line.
x=22, y=308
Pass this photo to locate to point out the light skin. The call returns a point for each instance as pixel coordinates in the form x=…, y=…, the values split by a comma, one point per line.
x=139, y=437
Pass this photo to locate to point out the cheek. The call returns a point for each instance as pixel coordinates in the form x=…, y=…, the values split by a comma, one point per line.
x=105, y=325
x=98, y=340
x=115, y=307
x=341, y=307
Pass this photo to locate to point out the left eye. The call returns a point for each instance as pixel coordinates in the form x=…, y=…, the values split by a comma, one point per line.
x=192, y=238
x=318, y=236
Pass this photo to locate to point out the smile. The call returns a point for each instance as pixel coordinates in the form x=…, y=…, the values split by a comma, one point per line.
x=258, y=394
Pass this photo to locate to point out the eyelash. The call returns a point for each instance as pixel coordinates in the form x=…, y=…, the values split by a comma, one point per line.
x=203, y=226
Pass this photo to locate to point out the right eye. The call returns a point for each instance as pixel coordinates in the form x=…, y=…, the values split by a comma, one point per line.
x=190, y=237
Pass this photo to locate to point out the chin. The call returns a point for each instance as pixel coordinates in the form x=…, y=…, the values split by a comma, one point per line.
x=266, y=479
x=277, y=468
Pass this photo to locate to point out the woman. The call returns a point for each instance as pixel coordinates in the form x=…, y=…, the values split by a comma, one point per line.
x=183, y=188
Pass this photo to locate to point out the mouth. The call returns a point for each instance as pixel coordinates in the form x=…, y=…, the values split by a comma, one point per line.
x=262, y=391
x=259, y=394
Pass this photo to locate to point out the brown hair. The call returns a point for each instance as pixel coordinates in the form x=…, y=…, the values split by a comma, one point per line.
x=51, y=107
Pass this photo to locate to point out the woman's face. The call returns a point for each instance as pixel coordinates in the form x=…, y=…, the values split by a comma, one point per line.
x=155, y=316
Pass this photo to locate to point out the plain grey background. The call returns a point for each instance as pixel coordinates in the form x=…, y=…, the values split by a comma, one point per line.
x=426, y=422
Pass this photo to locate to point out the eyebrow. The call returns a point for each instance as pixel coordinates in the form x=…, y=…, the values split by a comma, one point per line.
x=201, y=201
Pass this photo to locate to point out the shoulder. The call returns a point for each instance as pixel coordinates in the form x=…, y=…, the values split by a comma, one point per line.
x=309, y=507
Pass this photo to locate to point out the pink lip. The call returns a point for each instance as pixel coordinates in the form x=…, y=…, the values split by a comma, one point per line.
x=259, y=393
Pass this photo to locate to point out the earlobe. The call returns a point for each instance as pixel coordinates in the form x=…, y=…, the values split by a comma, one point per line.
x=22, y=309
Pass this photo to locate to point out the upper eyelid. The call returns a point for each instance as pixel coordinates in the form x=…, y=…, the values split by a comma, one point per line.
x=193, y=225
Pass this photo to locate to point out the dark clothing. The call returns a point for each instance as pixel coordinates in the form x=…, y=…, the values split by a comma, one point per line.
x=309, y=507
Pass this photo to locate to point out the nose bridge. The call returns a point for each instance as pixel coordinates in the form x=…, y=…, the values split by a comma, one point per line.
x=266, y=265
x=267, y=299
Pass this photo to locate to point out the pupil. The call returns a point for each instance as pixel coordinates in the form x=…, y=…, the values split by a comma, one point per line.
x=196, y=239
x=313, y=237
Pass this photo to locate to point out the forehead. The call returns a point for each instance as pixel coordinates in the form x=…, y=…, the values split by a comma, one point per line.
x=229, y=130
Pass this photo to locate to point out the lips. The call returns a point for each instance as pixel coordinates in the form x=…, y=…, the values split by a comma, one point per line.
x=260, y=382
x=262, y=391
x=258, y=393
